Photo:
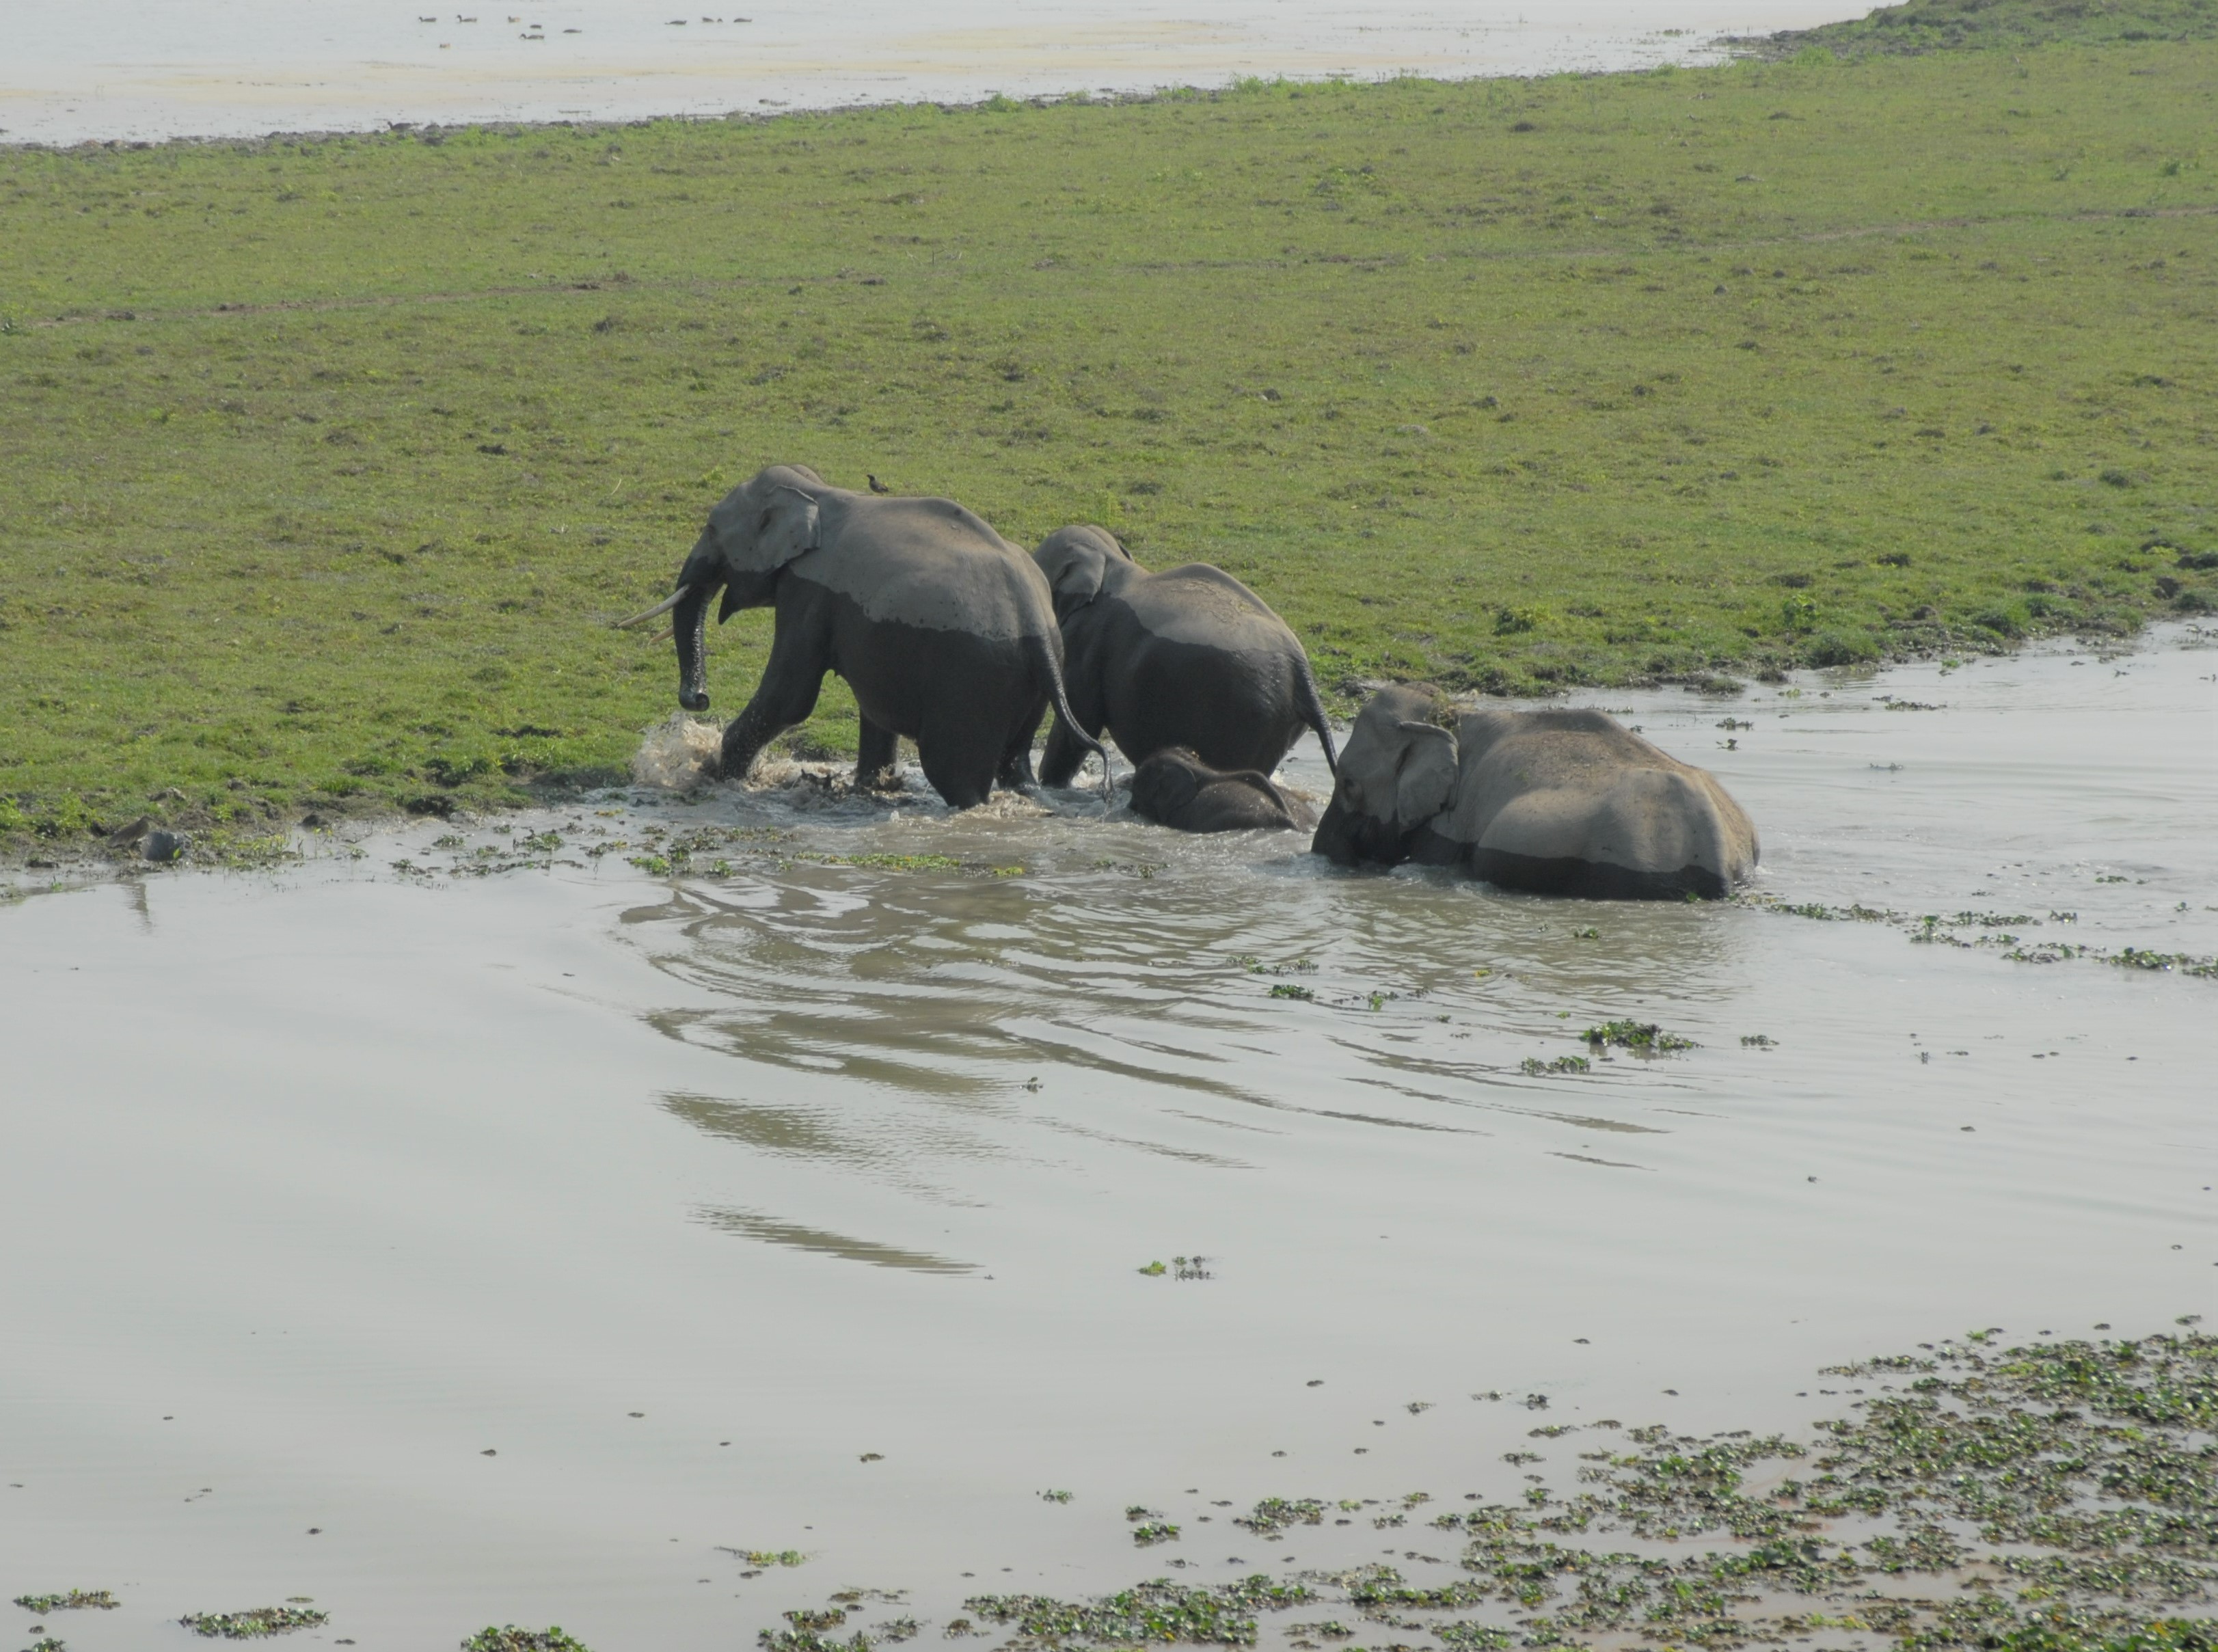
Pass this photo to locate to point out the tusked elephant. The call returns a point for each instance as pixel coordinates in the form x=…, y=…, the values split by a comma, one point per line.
x=1188, y=657
x=1174, y=788
x=944, y=630
x=1558, y=802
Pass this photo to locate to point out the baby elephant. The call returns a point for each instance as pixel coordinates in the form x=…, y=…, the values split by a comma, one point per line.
x=1559, y=803
x=1177, y=789
x=1190, y=657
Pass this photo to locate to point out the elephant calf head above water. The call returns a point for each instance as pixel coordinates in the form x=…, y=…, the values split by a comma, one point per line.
x=1188, y=657
x=1559, y=803
x=944, y=630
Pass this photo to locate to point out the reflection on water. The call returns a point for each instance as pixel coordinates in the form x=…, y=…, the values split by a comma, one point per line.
x=811, y=1239
x=384, y=1171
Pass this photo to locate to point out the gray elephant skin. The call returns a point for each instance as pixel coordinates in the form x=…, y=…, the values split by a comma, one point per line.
x=944, y=630
x=1558, y=802
x=1175, y=787
x=1188, y=657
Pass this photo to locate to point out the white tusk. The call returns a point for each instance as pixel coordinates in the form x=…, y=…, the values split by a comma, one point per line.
x=662, y=607
x=664, y=637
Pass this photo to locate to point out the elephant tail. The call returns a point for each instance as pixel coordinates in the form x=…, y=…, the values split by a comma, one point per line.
x=1312, y=707
x=1047, y=672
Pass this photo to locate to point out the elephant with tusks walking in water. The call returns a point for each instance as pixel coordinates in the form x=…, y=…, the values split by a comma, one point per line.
x=945, y=631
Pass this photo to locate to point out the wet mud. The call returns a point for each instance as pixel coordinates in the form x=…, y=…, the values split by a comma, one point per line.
x=666, y=1213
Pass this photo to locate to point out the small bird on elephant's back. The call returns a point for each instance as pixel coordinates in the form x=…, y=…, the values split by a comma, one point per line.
x=1189, y=657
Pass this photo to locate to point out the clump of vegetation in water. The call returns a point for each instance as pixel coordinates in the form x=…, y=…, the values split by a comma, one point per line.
x=811, y=1640
x=1994, y=931
x=253, y=1624
x=1535, y=1066
x=509, y=1638
x=1642, y=1037
x=1274, y=1514
x=2054, y=1497
x=1415, y=329
x=1154, y=1612
x=73, y=1600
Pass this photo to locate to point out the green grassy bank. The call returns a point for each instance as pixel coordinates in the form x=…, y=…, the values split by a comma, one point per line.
x=326, y=463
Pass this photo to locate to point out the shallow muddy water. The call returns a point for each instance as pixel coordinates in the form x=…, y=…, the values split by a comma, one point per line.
x=153, y=68
x=457, y=1245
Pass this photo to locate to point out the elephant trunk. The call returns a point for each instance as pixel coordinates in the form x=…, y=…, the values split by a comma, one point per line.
x=1335, y=836
x=701, y=577
x=1347, y=836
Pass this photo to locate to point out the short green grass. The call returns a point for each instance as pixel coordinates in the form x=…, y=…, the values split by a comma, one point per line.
x=327, y=462
x=1954, y=25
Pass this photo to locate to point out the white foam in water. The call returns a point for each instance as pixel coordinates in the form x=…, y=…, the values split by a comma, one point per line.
x=673, y=756
x=672, y=753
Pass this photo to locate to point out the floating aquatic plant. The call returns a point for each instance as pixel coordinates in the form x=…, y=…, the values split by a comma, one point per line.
x=73, y=1600
x=253, y=1624
x=1642, y=1037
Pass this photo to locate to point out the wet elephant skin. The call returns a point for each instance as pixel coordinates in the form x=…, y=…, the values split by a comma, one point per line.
x=1190, y=657
x=970, y=703
x=1567, y=802
x=945, y=631
x=1175, y=789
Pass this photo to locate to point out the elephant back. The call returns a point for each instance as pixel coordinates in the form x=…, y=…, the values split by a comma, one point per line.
x=931, y=564
x=1208, y=608
x=1580, y=786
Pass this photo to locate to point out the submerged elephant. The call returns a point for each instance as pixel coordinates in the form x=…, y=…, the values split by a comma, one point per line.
x=944, y=630
x=1560, y=803
x=1174, y=788
x=1189, y=657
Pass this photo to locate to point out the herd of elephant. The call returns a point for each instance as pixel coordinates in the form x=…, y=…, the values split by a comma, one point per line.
x=952, y=636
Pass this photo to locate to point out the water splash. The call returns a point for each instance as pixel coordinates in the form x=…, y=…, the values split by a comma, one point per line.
x=674, y=755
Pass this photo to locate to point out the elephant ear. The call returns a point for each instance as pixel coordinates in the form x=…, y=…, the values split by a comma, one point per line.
x=1427, y=777
x=760, y=532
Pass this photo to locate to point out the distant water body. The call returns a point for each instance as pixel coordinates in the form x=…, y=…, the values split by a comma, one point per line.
x=79, y=70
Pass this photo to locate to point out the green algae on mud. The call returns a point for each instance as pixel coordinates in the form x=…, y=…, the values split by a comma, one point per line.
x=2052, y=1497
x=329, y=458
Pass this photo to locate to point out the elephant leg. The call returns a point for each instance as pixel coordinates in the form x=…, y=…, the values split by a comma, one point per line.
x=874, y=757
x=960, y=760
x=785, y=696
x=1063, y=754
x=1016, y=772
